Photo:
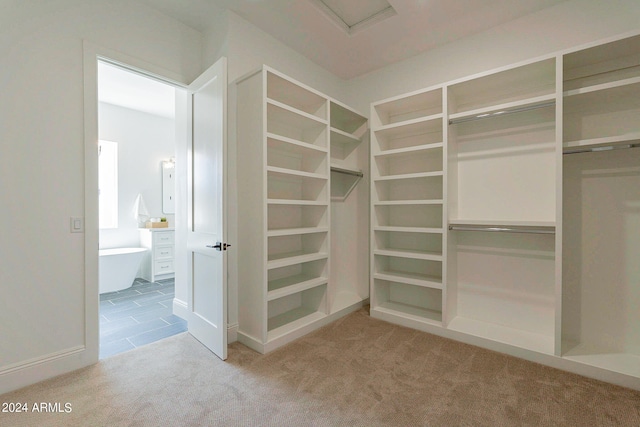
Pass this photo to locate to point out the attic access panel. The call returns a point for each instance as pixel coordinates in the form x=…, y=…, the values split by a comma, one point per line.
x=355, y=15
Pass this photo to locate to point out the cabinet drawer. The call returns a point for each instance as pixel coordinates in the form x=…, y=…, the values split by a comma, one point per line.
x=163, y=267
x=163, y=238
x=163, y=252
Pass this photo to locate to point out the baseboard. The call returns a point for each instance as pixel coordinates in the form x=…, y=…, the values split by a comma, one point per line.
x=250, y=342
x=22, y=374
x=181, y=309
x=232, y=333
x=263, y=348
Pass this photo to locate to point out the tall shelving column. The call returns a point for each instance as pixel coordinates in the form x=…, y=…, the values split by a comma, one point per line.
x=600, y=316
x=349, y=156
x=502, y=184
x=407, y=204
x=283, y=153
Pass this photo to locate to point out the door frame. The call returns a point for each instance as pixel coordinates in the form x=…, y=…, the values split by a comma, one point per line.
x=91, y=55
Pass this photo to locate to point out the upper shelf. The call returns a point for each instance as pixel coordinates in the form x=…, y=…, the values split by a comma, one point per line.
x=518, y=86
x=346, y=121
x=505, y=108
x=607, y=142
x=603, y=86
x=295, y=95
x=406, y=108
x=606, y=63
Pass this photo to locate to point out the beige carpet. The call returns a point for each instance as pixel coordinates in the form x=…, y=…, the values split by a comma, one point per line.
x=355, y=372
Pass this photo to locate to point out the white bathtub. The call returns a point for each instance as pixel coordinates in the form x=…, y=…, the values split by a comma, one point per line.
x=118, y=268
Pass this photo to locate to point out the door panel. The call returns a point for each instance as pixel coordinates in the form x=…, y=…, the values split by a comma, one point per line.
x=207, y=201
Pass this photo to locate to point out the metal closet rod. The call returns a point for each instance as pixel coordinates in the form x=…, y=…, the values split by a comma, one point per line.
x=502, y=112
x=525, y=230
x=347, y=171
x=602, y=148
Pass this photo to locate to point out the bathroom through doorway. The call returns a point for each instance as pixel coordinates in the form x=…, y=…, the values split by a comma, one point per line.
x=137, y=151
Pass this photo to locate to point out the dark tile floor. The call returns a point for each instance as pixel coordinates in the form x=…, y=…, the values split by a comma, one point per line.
x=136, y=316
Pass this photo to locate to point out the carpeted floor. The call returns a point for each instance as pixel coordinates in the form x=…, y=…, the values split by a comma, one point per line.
x=357, y=371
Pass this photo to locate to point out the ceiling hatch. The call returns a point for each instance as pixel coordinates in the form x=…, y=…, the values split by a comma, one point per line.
x=355, y=15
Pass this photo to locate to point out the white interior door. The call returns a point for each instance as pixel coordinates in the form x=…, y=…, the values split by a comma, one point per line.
x=206, y=244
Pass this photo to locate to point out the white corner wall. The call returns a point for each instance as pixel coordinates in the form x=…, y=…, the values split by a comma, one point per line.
x=563, y=26
x=42, y=268
x=144, y=142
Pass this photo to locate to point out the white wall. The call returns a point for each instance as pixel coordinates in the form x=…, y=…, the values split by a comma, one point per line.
x=563, y=26
x=144, y=142
x=42, y=267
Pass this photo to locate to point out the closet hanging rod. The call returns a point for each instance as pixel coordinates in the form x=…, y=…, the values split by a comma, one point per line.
x=601, y=148
x=502, y=229
x=502, y=112
x=347, y=171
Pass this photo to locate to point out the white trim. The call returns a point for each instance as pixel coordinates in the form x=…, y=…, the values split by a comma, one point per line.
x=181, y=309
x=232, y=333
x=275, y=343
x=22, y=374
x=91, y=54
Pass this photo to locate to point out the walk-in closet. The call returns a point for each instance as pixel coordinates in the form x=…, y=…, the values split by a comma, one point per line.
x=501, y=209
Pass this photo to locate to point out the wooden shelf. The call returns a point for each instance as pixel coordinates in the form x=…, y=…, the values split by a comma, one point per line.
x=409, y=202
x=296, y=202
x=292, y=258
x=404, y=108
x=291, y=321
x=607, y=141
x=401, y=253
x=293, y=145
x=346, y=121
x=291, y=173
x=504, y=108
x=603, y=87
x=282, y=113
x=295, y=95
x=294, y=231
x=291, y=285
x=410, y=229
x=408, y=150
x=411, y=312
x=410, y=127
x=409, y=176
x=341, y=137
x=410, y=279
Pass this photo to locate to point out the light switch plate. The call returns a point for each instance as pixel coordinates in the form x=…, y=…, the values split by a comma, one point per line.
x=77, y=224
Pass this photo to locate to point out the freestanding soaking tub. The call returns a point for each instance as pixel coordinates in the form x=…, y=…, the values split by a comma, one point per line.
x=118, y=268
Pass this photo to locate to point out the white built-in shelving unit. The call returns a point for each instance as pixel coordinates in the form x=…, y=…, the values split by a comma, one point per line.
x=502, y=209
x=505, y=212
x=285, y=188
x=601, y=276
x=407, y=208
x=502, y=206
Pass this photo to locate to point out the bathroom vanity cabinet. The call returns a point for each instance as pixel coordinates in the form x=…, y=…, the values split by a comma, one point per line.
x=158, y=261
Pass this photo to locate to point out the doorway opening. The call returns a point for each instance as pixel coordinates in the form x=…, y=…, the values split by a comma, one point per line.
x=137, y=186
